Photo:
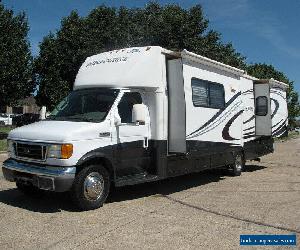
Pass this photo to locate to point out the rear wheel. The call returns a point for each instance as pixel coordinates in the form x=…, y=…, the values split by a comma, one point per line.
x=237, y=167
x=91, y=187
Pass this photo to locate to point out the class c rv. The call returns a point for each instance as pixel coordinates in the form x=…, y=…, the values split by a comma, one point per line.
x=145, y=114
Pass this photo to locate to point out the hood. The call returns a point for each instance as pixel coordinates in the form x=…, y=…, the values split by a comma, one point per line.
x=59, y=131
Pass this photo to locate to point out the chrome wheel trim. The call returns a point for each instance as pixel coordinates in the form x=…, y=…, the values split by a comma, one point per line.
x=238, y=163
x=93, y=186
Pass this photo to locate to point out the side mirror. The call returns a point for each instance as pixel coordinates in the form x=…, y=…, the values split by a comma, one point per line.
x=139, y=112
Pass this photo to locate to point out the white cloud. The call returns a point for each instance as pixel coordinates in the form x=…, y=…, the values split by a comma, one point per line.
x=241, y=15
x=274, y=34
x=221, y=10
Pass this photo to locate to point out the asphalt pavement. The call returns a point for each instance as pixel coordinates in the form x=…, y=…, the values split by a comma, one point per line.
x=207, y=210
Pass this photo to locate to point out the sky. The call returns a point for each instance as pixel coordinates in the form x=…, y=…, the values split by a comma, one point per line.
x=263, y=31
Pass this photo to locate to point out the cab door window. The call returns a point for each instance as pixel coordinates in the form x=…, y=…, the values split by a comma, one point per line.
x=126, y=104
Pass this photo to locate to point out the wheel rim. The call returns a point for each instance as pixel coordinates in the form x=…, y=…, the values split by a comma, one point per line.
x=93, y=186
x=238, y=162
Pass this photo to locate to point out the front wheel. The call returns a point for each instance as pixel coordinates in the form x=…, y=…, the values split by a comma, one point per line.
x=237, y=167
x=91, y=187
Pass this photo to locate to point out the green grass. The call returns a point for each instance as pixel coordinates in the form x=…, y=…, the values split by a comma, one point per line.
x=5, y=129
x=3, y=145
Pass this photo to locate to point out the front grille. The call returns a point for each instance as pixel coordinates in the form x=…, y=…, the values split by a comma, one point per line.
x=30, y=151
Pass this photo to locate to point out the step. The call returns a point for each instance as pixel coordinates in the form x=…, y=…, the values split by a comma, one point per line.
x=135, y=179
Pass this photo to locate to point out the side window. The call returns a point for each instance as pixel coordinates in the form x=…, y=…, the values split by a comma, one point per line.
x=200, y=93
x=126, y=104
x=208, y=94
x=216, y=96
x=261, y=106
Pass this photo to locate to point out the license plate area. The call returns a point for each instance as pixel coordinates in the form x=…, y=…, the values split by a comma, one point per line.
x=25, y=178
x=42, y=182
x=46, y=183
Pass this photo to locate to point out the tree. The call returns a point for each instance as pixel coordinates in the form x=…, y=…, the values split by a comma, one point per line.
x=16, y=79
x=106, y=28
x=265, y=71
x=59, y=60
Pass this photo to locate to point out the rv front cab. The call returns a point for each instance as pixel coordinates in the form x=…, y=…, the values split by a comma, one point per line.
x=82, y=129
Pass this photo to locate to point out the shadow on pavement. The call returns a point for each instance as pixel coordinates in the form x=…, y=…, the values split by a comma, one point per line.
x=55, y=202
x=48, y=203
x=252, y=168
x=172, y=185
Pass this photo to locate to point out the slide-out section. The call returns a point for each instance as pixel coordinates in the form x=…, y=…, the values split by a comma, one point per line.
x=279, y=110
x=176, y=108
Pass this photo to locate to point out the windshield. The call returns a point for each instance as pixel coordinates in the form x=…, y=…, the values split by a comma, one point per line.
x=88, y=105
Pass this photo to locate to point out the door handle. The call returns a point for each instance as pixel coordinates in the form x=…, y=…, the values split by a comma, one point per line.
x=145, y=142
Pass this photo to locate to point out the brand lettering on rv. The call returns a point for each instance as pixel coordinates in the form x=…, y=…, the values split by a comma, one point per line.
x=107, y=60
x=249, y=109
x=133, y=51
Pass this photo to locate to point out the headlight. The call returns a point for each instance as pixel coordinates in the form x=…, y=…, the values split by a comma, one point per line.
x=10, y=147
x=63, y=151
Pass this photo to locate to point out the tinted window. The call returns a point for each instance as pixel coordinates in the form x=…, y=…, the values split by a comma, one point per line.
x=216, y=96
x=207, y=94
x=200, y=93
x=126, y=104
x=261, y=106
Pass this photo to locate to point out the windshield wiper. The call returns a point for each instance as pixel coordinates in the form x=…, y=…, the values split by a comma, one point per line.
x=70, y=118
x=84, y=119
x=52, y=117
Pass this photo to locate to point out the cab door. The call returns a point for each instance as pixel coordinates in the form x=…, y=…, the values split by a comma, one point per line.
x=131, y=149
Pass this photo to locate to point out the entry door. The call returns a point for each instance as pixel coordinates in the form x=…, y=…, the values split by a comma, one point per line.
x=263, y=122
x=131, y=151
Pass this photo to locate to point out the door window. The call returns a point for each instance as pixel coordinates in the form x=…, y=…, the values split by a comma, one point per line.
x=126, y=104
x=261, y=108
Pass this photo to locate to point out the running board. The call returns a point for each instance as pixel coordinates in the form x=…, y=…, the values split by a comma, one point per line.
x=135, y=179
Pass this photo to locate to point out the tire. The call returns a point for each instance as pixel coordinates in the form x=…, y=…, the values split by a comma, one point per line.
x=90, y=187
x=29, y=190
x=237, y=167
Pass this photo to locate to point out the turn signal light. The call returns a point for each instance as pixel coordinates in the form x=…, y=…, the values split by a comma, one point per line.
x=66, y=151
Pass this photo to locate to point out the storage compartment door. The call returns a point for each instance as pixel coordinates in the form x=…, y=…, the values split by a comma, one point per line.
x=263, y=122
x=176, y=107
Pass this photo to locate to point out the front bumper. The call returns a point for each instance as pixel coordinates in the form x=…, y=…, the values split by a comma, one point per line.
x=58, y=179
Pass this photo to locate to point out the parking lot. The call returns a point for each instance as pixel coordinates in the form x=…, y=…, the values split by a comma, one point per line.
x=207, y=210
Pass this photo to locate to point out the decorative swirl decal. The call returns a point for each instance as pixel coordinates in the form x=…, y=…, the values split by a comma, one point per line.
x=276, y=107
x=249, y=128
x=250, y=119
x=283, y=131
x=281, y=127
x=225, y=132
x=217, y=115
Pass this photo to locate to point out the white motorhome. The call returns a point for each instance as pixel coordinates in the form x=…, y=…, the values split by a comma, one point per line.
x=139, y=115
